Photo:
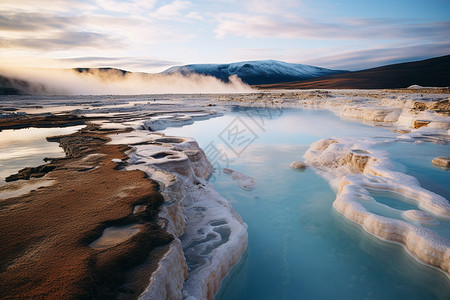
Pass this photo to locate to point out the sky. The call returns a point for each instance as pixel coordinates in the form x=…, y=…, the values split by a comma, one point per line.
x=152, y=35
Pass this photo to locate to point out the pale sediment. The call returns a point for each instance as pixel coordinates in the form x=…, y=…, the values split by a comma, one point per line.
x=212, y=234
x=354, y=173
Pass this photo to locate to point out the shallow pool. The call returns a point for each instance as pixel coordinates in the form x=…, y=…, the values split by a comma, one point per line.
x=299, y=246
x=28, y=147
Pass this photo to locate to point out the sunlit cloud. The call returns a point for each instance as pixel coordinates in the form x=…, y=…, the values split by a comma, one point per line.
x=64, y=41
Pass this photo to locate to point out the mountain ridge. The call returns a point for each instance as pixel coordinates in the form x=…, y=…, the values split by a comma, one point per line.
x=432, y=72
x=255, y=72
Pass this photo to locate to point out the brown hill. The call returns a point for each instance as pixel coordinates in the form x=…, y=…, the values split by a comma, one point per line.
x=433, y=72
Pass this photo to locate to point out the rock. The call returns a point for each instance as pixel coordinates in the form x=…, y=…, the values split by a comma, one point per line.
x=298, y=165
x=227, y=171
x=243, y=181
x=28, y=173
x=442, y=161
x=420, y=123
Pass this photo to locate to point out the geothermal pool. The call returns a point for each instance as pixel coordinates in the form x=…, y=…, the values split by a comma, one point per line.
x=299, y=246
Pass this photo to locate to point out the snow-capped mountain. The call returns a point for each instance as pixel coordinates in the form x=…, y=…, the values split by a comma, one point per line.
x=256, y=72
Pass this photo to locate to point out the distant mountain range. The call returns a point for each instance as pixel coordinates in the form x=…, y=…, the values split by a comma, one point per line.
x=434, y=72
x=273, y=74
x=256, y=72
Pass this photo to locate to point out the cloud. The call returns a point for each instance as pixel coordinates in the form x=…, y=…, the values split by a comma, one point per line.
x=30, y=22
x=125, y=7
x=173, y=9
x=375, y=57
x=55, y=32
x=296, y=27
x=194, y=16
x=64, y=40
x=340, y=57
x=128, y=63
x=48, y=5
x=270, y=7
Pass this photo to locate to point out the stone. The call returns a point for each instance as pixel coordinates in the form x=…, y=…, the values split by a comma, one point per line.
x=420, y=123
x=298, y=165
x=442, y=161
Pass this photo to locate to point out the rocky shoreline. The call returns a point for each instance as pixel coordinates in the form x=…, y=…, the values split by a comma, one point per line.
x=110, y=180
x=46, y=233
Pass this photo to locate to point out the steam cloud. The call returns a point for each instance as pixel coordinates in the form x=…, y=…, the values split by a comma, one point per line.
x=114, y=82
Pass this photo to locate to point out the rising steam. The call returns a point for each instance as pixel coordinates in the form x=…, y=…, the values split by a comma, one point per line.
x=113, y=81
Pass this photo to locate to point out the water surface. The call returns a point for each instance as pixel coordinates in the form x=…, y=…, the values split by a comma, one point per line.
x=28, y=147
x=299, y=246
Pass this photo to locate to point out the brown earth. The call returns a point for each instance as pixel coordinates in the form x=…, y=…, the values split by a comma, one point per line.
x=42, y=121
x=433, y=72
x=45, y=235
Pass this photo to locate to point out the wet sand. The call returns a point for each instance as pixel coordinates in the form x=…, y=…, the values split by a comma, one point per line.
x=45, y=235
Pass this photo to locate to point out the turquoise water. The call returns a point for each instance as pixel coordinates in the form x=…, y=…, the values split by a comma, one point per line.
x=299, y=246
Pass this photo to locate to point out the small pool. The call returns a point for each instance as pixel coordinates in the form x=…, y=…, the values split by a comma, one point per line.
x=28, y=147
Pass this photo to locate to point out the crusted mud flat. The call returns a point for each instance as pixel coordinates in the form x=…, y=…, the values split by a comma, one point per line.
x=46, y=230
x=129, y=218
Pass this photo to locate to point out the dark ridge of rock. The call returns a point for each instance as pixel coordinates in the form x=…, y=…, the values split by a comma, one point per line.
x=30, y=172
x=102, y=70
x=18, y=121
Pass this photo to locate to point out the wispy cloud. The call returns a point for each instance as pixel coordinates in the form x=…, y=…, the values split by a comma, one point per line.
x=174, y=9
x=296, y=27
x=119, y=62
x=375, y=57
x=62, y=41
x=13, y=21
x=60, y=6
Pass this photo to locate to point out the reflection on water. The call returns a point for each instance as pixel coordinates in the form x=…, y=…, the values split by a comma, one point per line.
x=299, y=247
x=28, y=147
